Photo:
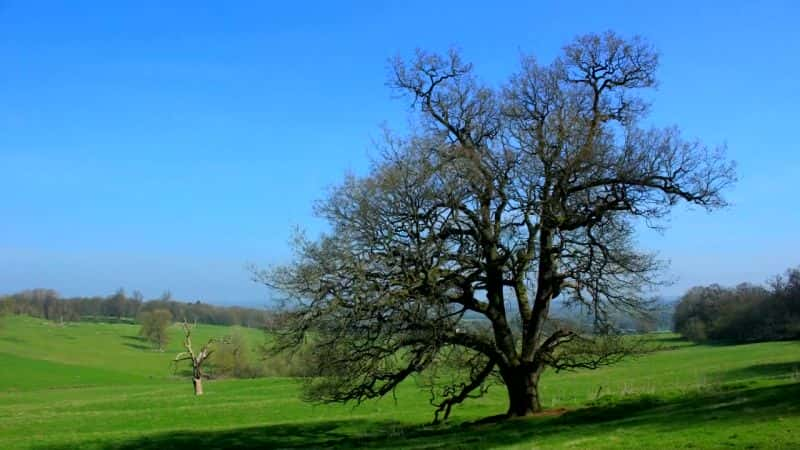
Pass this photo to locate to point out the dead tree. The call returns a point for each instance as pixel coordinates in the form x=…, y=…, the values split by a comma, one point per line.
x=196, y=359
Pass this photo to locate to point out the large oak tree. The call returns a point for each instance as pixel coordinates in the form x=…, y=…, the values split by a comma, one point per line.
x=446, y=257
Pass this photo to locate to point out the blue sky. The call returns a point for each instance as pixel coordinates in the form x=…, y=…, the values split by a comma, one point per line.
x=158, y=147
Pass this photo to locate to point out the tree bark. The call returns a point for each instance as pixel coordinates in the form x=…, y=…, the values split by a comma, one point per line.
x=522, y=385
x=198, y=386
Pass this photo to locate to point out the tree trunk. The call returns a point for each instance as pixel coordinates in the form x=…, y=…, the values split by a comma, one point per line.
x=198, y=386
x=523, y=391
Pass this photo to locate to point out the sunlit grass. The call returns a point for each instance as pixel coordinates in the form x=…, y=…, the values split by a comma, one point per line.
x=84, y=386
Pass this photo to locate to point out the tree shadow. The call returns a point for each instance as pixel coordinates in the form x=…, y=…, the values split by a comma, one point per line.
x=728, y=405
x=12, y=339
x=770, y=370
x=182, y=373
x=332, y=434
x=658, y=342
x=108, y=319
x=669, y=339
x=138, y=343
x=139, y=346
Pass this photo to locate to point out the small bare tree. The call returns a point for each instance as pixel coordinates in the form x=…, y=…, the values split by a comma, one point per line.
x=196, y=359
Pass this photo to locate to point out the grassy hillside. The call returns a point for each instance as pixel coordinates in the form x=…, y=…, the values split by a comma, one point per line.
x=83, y=353
x=94, y=385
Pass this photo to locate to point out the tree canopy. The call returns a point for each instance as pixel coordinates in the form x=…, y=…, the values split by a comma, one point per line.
x=155, y=326
x=451, y=250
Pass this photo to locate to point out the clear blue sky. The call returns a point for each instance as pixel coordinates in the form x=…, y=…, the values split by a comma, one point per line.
x=161, y=147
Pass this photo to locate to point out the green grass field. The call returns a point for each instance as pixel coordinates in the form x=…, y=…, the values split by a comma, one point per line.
x=96, y=385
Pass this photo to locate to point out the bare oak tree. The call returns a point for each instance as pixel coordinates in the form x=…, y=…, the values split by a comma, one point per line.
x=450, y=252
x=196, y=359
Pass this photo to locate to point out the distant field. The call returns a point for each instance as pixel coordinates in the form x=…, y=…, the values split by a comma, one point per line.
x=83, y=353
x=95, y=385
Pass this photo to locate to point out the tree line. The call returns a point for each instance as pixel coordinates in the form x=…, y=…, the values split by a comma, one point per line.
x=745, y=313
x=233, y=356
x=48, y=304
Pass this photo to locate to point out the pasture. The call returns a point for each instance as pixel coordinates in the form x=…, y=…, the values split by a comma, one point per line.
x=97, y=385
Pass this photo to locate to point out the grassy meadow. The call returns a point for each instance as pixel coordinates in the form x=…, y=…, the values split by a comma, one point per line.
x=97, y=385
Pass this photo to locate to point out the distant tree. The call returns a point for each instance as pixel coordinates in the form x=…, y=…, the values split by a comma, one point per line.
x=645, y=324
x=6, y=308
x=743, y=313
x=195, y=359
x=498, y=202
x=133, y=304
x=115, y=304
x=232, y=357
x=48, y=304
x=155, y=326
x=38, y=302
